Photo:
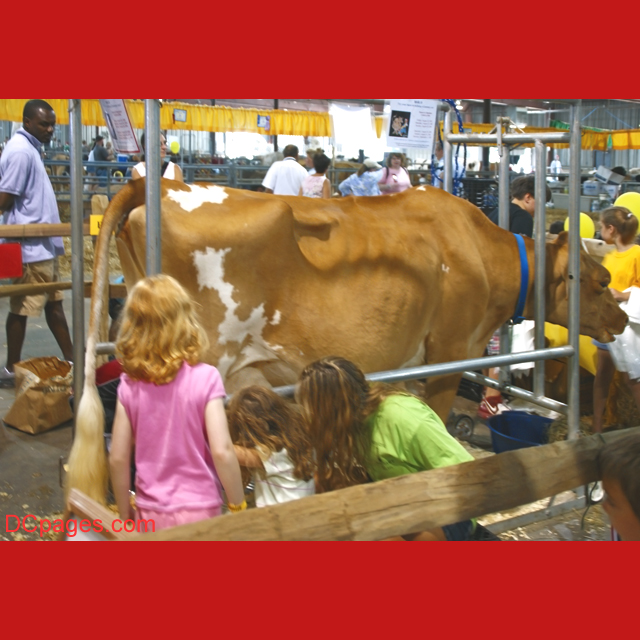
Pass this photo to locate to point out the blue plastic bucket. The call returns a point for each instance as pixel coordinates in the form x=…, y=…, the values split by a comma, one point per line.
x=517, y=430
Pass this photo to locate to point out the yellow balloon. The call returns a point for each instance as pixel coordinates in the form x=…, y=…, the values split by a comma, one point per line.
x=631, y=201
x=175, y=147
x=587, y=227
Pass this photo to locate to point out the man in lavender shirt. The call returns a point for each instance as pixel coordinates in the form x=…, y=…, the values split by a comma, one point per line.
x=27, y=197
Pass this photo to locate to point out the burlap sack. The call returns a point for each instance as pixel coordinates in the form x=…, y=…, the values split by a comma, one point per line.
x=43, y=387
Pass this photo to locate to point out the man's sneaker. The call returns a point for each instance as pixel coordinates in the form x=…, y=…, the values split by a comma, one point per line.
x=502, y=408
x=7, y=379
x=489, y=407
x=596, y=493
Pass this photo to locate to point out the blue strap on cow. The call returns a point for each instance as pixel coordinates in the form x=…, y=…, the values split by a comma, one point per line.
x=524, y=282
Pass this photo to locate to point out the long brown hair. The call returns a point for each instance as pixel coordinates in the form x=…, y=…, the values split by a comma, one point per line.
x=623, y=221
x=259, y=418
x=336, y=401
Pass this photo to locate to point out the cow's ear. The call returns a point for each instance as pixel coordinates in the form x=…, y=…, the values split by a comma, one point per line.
x=557, y=258
x=562, y=239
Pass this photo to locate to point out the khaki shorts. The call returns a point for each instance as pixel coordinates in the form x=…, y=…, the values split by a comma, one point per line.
x=36, y=273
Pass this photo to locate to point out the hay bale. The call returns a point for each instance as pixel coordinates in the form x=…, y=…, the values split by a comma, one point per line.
x=559, y=430
x=621, y=408
x=65, y=261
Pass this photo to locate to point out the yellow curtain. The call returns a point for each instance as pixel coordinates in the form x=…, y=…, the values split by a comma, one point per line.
x=597, y=140
x=629, y=139
x=380, y=120
x=590, y=139
x=199, y=117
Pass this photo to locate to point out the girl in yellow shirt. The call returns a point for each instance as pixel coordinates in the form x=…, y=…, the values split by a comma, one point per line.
x=618, y=227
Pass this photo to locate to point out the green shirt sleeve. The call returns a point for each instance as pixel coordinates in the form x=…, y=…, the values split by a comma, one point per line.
x=408, y=437
x=432, y=447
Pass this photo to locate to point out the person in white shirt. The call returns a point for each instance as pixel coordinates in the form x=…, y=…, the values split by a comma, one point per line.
x=556, y=165
x=285, y=178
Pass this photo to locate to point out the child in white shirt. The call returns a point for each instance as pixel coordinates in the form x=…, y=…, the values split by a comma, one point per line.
x=270, y=440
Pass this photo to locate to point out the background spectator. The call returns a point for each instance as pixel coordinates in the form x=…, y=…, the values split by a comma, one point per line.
x=395, y=177
x=27, y=197
x=285, y=177
x=169, y=170
x=317, y=185
x=364, y=182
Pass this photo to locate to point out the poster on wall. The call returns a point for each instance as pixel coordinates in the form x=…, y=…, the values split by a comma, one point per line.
x=119, y=125
x=412, y=123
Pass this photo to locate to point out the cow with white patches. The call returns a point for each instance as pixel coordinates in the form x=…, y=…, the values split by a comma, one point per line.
x=284, y=281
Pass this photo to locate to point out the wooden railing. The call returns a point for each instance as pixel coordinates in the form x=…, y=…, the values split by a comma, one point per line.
x=414, y=503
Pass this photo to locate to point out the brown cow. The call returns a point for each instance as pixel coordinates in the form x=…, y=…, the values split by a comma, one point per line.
x=388, y=282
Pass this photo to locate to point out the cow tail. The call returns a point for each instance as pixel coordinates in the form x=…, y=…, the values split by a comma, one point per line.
x=88, y=469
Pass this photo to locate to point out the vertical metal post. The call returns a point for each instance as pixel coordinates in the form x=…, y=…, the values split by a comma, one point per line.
x=504, y=202
x=153, y=167
x=276, y=106
x=573, y=395
x=486, y=117
x=448, y=153
x=540, y=268
x=504, y=184
x=77, y=245
x=212, y=135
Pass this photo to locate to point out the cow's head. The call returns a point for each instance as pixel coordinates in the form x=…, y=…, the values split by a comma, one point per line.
x=600, y=316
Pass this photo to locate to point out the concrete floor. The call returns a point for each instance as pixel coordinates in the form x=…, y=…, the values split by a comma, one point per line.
x=30, y=464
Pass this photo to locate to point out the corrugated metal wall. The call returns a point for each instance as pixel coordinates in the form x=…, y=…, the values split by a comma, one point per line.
x=601, y=114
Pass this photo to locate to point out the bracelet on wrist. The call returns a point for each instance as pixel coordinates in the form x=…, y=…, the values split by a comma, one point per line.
x=237, y=508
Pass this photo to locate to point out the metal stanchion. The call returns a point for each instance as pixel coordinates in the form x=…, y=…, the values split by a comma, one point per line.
x=77, y=245
x=153, y=167
x=574, y=273
x=541, y=253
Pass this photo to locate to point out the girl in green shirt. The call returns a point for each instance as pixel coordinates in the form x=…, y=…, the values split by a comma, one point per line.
x=362, y=433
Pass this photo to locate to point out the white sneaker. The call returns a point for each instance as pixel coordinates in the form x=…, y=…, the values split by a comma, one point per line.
x=596, y=493
x=7, y=379
x=502, y=408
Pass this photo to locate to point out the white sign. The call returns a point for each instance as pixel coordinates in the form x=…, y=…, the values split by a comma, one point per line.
x=119, y=125
x=179, y=115
x=412, y=123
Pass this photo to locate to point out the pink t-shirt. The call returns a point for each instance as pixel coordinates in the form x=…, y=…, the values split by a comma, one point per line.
x=174, y=467
x=397, y=179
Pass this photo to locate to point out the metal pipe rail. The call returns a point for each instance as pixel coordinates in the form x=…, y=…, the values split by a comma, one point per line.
x=221, y=174
x=510, y=138
x=418, y=373
x=516, y=392
x=435, y=370
x=504, y=141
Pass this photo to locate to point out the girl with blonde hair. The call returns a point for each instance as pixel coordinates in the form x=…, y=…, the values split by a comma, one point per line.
x=618, y=226
x=170, y=406
x=271, y=440
x=363, y=433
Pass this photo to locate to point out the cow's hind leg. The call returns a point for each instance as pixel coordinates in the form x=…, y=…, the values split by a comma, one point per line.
x=440, y=393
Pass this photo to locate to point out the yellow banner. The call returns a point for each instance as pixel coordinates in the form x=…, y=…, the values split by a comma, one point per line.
x=198, y=117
